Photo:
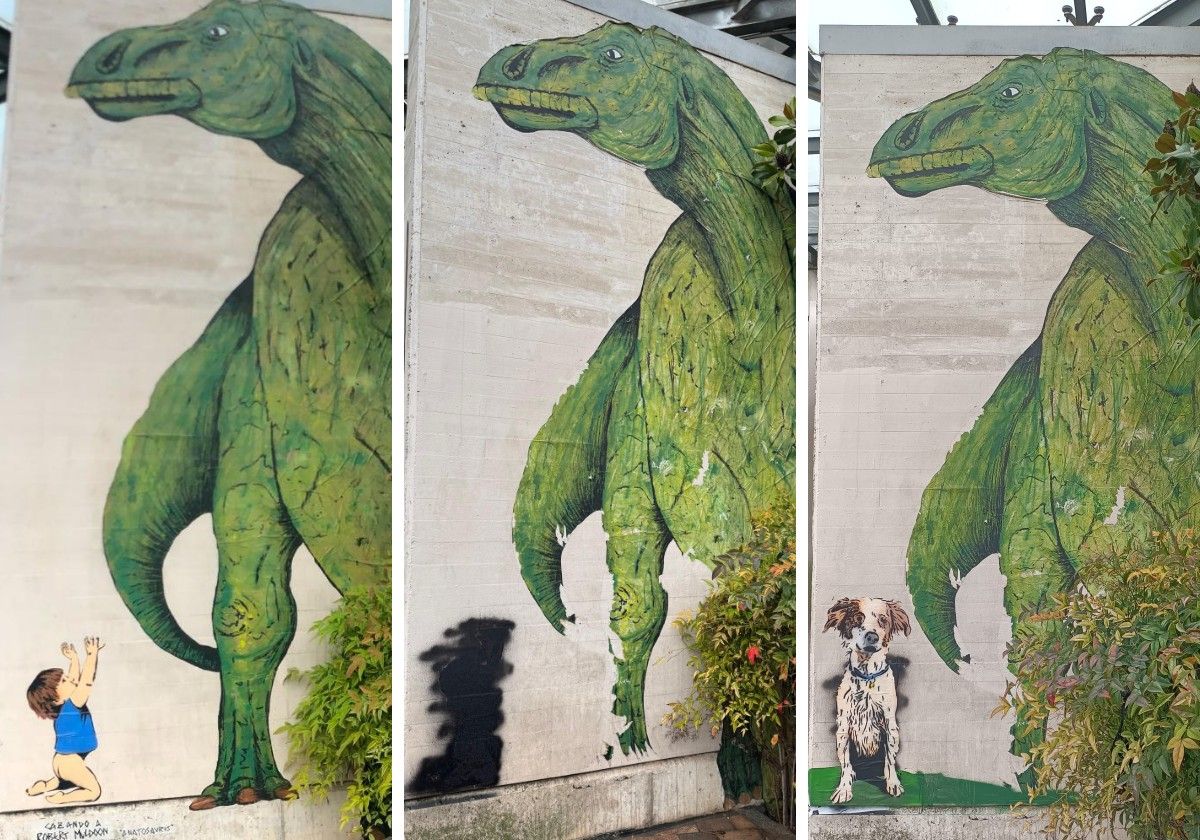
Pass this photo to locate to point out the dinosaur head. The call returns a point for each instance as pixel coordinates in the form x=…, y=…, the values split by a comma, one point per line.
x=1021, y=130
x=617, y=86
x=229, y=68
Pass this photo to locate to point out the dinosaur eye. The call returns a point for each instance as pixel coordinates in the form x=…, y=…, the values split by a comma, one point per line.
x=217, y=32
x=613, y=54
x=1010, y=92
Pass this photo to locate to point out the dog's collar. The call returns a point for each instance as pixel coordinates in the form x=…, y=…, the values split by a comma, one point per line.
x=854, y=672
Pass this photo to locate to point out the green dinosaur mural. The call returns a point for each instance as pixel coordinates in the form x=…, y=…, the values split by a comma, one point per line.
x=277, y=421
x=682, y=425
x=1086, y=443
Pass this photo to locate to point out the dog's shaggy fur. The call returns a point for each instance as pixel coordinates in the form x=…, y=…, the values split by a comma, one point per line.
x=866, y=698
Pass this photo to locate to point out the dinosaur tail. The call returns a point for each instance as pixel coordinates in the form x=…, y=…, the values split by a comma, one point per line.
x=563, y=481
x=959, y=521
x=165, y=478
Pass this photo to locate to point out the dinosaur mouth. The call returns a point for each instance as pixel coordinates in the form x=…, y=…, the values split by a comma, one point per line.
x=530, y=110
x=919, y=174
x=119, y=100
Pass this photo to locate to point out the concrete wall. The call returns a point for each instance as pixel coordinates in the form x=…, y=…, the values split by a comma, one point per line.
x=924, y=304
x=120, y=240
x=523, y=251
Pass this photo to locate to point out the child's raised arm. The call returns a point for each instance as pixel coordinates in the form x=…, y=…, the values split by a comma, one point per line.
x=68, y=650
x=91, y=649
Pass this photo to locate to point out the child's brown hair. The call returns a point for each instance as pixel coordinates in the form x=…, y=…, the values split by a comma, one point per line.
x=43, y=693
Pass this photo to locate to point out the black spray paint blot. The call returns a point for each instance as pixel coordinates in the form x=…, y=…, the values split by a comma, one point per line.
x=467, y=670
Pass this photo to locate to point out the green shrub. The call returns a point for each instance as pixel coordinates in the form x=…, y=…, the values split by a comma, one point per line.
x=342, y=731
x=776, y=165
x=1110, y=671
x=741, y=642
x=1175, y=177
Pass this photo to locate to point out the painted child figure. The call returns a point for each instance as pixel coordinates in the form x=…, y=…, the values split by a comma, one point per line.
x=63, y=698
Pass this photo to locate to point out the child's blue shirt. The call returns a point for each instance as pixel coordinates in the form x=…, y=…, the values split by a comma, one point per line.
x=74, y=731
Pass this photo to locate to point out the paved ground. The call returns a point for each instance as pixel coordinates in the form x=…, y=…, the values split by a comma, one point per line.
x=745, y=824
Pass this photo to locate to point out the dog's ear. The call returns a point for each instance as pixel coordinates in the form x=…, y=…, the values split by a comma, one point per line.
x=899, y=617
x=837, y=613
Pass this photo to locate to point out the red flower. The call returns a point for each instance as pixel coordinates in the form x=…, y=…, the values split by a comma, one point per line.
x=753, y=654
x=1050, y=698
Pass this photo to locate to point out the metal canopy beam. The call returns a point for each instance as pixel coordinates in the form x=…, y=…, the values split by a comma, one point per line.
x=759, y=28
x=5, y=44
x=360, y=8
x=704, y=38
x=742, y=18
x=1177, y=13
x=926, y=16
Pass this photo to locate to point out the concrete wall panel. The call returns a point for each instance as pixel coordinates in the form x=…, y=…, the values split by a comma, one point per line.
x=924, y=304
x=120, y=242
x=525, y=249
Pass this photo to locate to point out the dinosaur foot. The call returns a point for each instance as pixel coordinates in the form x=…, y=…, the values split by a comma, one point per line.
x=629, y=704
x=215, y=796
x=635, y=738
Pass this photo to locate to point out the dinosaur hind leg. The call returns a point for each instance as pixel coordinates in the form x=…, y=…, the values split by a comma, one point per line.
x=254, y=614
x=637, y=541
x=1031, y=557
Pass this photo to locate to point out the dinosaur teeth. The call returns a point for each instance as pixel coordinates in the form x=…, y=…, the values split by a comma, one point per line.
x=515, y=97
x=942, y=162
x=165, y=89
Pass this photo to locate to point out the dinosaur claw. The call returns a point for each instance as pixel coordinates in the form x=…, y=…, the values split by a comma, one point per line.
x=247, y=796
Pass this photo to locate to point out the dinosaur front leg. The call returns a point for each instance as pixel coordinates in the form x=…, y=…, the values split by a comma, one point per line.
x=637, y=541
x=959, y=522
x=254, y=614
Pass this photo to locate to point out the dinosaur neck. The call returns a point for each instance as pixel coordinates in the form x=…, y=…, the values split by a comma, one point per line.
x=710, y=181
x=343, y=143
x=1114, y=204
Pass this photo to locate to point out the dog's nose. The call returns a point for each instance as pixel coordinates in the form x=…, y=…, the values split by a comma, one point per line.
x=872, y=638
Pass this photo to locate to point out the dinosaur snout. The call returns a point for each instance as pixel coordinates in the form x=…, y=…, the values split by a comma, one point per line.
x=109, y=60
x=936, y=129
x=909, y=130
x=515, y=81
x=129, y=54
x=119, y=79
x=515, y=67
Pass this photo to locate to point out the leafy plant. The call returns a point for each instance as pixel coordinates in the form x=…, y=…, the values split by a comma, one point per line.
x=776, y=167
x=1112, y=675
x=741, y=641
x=1176, y=177
x=342, y=732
